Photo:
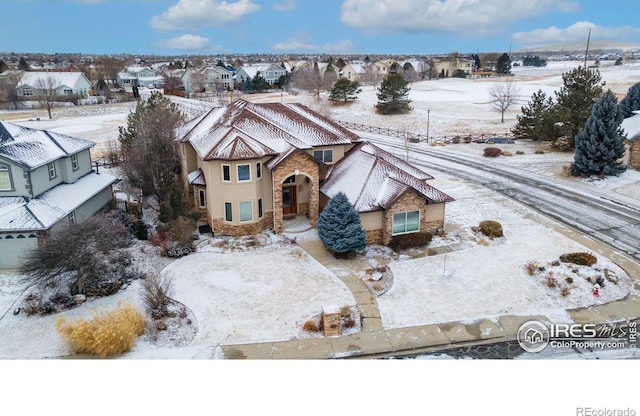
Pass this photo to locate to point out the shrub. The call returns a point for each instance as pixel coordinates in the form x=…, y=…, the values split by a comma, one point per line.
x=564, y=292
x=467, y=139
x=531, y=267
x=582, y=259
x=311, y=326
x=140, y=230
x=492, y=152
x=539, y=152
x=404, y=241
x=456, y=140
x=569, y=280
x=491, y=229
x=520, y=152
x=156, y=294
x=505, y=153
x=551, y=281
x=108, y=333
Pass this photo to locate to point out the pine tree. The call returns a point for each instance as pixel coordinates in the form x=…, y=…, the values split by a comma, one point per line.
x=631, y=102
x=582, y=87
x=536, y=121
x=503, y=66
x=344, y=90
x=23, y=65
x=393, y=95
x=599, y=144
x=260, y=83
x=339, y=226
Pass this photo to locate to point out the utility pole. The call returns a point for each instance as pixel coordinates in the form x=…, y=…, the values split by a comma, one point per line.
x=586, y=53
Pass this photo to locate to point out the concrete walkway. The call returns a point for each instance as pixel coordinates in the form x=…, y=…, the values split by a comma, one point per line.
x=375, y=341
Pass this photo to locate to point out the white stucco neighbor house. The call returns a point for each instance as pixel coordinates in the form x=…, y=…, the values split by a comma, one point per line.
x=46, y=182
x=65, y=83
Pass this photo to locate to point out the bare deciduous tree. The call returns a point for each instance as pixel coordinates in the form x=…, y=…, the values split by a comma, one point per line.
x=47, y=91
x=504, y=95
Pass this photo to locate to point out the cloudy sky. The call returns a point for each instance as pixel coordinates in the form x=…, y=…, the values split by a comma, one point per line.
x=183, y=27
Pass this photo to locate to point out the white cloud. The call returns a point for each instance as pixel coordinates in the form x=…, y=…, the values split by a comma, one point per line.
x=303, y=43
x=187, y=14
x=285, y=6
x=187, y=42
x=577, y=32
x=470, y=17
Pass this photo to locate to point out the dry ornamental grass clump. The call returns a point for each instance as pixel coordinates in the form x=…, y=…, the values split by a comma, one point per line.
x=582, y=259
x=109, y=333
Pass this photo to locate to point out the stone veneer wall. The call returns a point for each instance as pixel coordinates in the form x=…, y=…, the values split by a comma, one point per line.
x=374, y=237
x=410, y=201
x=306, y=165
x=220, y=227
x=634, y=154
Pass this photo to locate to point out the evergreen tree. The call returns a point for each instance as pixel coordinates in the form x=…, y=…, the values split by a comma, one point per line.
x=3, y=66
x=631, y=102
x=537, y=119
x=220, y=63
x=22, y=64
x=339, y=226
x=582, y=87
x=599, y=144
x=393, y=95
x=476, y=61
x=503, y=66
x=260, y=83
x=344, y=90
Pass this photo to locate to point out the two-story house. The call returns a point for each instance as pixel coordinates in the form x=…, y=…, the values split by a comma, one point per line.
x=64, y=83
x=46, y=181
x=250, y=166
x=270, y=72
x=140, y=76
x=210, y=79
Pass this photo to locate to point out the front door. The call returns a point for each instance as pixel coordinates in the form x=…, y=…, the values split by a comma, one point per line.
x=289, y=204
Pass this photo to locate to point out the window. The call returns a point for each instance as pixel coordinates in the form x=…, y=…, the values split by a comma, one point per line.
x=228, y=212
x=325, y=156
x=202, y=198
x=244, y=173
x=258, y=170
x=52, y=169
x=72, y=217
x=226, y=173
x=74, y=161
x=67, y=91
x=290, y=179
x=27, y=91
x=5, y=178
x=246, y=211
x=406, y=222
x=260, y=213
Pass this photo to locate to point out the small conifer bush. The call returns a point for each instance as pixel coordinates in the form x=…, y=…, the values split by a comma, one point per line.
x=491, y=229
x=492, y=152
x=109, y=333
x=582, y=259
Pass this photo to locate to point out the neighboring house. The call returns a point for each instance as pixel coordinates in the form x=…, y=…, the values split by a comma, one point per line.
x=46, y=182
x=270, y=72
x=631, y=127
x=139, y=76
x=251, y=165
x=353, y=71
x=447, y=67
x=210, y=79
x=66, y=83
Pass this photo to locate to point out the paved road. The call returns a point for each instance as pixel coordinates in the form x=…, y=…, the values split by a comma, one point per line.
x=612, y=222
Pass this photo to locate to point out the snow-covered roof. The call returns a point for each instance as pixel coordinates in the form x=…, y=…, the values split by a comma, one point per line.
x=373, y=179
x=67, y=79
x=252, y=70
x=32, y=148
x=244, y=130
x=42, y=212
x=197, y=177
x=631, y=126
